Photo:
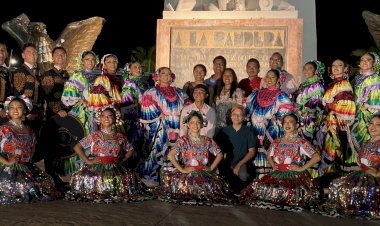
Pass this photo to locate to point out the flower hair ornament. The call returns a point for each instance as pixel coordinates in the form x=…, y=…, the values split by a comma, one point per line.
x=199, y=114
x=118, y=120
x=26, y=101
x=320, y=68
x=81, y=56
x=156, y=75
x=376, y=63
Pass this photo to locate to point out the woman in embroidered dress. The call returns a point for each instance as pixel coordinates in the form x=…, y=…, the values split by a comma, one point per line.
x=226, y=96
x=358, y=193
x=266, y=108
x=308, y=100
x=77, y=88
x=289, y=186
x=367, y=96
x=160, y=113
x=101, y=177
x=334, y=133
x=20, y=180
x=195, y=181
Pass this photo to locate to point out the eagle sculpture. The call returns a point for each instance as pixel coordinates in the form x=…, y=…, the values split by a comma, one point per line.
x=76, y=37
x=373, y=23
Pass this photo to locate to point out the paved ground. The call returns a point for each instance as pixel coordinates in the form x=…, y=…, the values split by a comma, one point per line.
x=155, y=212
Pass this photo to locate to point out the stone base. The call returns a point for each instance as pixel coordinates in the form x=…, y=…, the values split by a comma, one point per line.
x=183, y=43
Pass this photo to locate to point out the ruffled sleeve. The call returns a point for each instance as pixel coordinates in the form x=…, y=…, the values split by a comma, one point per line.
x=75, y=88
x=150, y=110
x=103, y=93
x=131, y=93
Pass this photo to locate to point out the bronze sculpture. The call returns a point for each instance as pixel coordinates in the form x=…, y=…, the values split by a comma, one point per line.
x=76, y=37
x=373, y=23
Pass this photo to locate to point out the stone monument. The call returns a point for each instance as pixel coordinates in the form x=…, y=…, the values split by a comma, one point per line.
x=195, y=31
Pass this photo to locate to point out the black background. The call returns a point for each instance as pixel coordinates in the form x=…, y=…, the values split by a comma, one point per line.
x=340, y=26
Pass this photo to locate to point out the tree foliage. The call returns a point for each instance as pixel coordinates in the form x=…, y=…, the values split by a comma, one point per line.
x=147, y=57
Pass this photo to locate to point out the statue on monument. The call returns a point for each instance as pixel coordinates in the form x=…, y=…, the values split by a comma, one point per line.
x=76, y=37
x=227, y=5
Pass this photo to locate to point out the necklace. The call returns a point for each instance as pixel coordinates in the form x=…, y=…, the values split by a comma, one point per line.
x=108, y=132
x=290, y=137
x=196, y=139
x=15, y=124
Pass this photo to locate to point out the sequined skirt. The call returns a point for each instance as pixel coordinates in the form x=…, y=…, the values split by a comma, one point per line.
x=105, y=183
x=357, y=194
x=289, y=188
x=196, y=187
x=25, y=183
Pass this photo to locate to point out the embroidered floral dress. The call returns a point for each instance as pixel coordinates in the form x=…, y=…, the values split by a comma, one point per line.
x=22, y=182
x=266, y=108
x=160, y=113
x=358, y=193
x=282, y=188
x=199, y=185
x=107, y=181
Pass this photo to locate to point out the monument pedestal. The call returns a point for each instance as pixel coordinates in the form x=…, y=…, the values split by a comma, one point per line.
x=183, y=43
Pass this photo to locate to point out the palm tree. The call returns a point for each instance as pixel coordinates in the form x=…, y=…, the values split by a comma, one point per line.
x=147, y=58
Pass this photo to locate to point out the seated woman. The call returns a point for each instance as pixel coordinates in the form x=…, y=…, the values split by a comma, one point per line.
x=20, y=180
x=289, y=186
x=358, y=193
x=195, y=182
x=102, y=178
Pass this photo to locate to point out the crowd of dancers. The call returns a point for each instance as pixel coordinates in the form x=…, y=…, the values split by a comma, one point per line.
x=263, y=142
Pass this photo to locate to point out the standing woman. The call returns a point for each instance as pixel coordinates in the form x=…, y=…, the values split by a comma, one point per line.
x=20, y=180
x=226, y=96
x=367, y=96
x=160, y=113
x=308, y=101
x=199, y=73
x=195, y=180
x=134, y=86
x=309, y=98
x=77, y=89
x=289, y=186
x=101, y=177
x=266, y=108
x=334, y=133
x=76, y=93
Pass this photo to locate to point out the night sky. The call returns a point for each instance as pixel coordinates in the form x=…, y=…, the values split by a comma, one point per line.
x=122, y=32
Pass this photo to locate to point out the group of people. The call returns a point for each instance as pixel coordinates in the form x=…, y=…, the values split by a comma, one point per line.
x=262, y=142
